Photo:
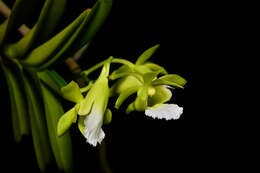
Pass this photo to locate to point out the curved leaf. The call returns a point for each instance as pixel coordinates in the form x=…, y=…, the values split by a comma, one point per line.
x=21, y=11
x=84, y=33
x=61, y=146
x=48, y=50
x=20, y=48
x=38, y=124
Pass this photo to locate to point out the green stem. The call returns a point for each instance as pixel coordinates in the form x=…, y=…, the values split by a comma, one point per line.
x=123, y=61
x=113, y=60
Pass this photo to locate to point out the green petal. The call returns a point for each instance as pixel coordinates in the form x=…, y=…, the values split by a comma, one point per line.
x=107, y=116
x=155, y=68
x=124, y=95
x=147, y=54
x=171, y=79
x=66, y=121
x=125, y=83
x=149, y=77
x=86, y=105
x=81, y=125
x=141, y=100
x=161, y=95
x=72, y=92
x=130, y=108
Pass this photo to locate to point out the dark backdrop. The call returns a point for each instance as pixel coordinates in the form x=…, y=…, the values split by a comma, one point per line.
x=188, y=33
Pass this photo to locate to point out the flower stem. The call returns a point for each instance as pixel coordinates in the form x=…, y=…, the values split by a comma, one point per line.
x=113, y=60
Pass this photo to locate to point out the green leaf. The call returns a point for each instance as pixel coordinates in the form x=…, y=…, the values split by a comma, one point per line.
x=20, y=48
x=124, y=95
x=146, y=55
x=49, y=49
x=107, y=116
x=18, y=101
x=72, y=92
x=53, y=18
x=84, y=33
x=172, y=80
x=66, y=121
x=21, y=12
x=52, y=80
x=61, y=146
x=161, y=95
x=38, y=124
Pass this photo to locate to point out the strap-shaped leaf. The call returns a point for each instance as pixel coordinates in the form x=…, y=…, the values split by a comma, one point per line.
x=84, y=33
x=18, y=100
x=21, y=11
x=53, y=18
x=61, y=146
x=52, y=80
x=171, y=79
x=38, y=124
x=50, y=48
x=72, y=92
x=20, y=48
x=146, y=55
x=124, y=95
x=92, y=24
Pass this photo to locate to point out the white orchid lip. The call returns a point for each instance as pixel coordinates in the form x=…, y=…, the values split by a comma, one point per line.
x=93, y=131
x=165, y=111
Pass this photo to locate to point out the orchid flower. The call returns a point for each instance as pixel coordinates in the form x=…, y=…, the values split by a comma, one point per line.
x=93, y=108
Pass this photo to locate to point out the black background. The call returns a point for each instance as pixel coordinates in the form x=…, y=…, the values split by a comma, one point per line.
x=189, y=34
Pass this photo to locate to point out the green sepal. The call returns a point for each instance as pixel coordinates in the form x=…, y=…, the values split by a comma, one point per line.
x=149, y=77
x=123, y=84
x=124, y=95
x=146, y=55
x=130, y=108
x=107, y=116
x=162, y=95
x=81, y=125
x=66, y=120
x=141, y=100
x=72, y=92
x=155, y=68
x=172, y=80
x=61, y=145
